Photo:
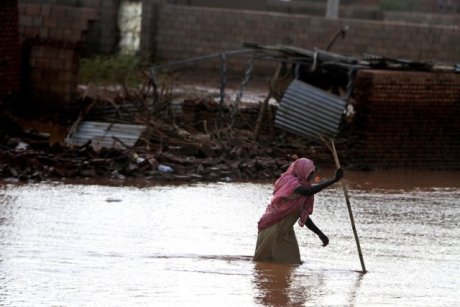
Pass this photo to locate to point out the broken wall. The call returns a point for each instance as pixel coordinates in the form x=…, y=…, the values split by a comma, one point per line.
x=180, y=32
x=52, y=38
x=102, y=37
x=405, y=120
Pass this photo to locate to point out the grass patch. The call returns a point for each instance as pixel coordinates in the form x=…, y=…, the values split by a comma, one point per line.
x=114, y=69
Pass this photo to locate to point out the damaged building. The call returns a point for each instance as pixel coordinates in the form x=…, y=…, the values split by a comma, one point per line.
x=397, y=84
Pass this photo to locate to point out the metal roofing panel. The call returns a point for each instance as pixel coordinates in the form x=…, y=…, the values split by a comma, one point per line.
x=309, y=111
x=105, y=134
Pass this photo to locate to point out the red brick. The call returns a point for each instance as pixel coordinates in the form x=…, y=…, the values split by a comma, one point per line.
x=65, y=55
x=57, y=88
x=81, y=23
x=56, y=33
x=89, y=14
x=50, y=22
x=52, y=53
x=37, y=21
x=59, y=11
x=66, y=33
x=30, y=32
x=69, y=66
x=76, y=36
x=25, y=20
x=46, y=10
x=44, y=33
x=34, y=9
x=22, y=9
x=37, y=51
x=65, y=77
x=57, y=64
x=43, y=63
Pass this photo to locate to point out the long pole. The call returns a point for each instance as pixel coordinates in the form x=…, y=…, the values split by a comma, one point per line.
x=350, y=213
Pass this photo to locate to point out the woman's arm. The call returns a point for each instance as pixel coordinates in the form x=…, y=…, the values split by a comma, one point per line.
x=309, y=223
x=318, y=187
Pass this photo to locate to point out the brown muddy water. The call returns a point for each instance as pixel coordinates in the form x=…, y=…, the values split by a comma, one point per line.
x=191, y=245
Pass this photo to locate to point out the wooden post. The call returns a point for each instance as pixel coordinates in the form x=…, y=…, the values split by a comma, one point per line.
x=260, y=116
x=350, y=213
x=264, y=104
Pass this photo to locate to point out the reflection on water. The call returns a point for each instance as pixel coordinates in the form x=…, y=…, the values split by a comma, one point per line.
x=73, y=244
x=276, y=286
x=292, y=285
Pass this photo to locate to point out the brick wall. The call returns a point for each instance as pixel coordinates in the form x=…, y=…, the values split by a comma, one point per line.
x=348, y=9
x=183, y=32
x=406, y=119
x=102, y=37
x=423, y=18
x=52, y=37
x=9, y=49
x=368, y=9
x=403, y=120
x=241, y=4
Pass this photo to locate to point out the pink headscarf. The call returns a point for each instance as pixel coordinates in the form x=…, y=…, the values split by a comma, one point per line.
x=284, y=200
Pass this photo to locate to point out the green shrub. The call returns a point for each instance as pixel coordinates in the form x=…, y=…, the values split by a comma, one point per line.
x=113, y=69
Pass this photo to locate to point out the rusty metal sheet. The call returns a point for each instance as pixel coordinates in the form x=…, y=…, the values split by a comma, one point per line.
x=309, y=111
x=108, y=135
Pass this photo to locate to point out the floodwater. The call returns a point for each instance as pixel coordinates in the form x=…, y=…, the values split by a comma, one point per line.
x=191, y=245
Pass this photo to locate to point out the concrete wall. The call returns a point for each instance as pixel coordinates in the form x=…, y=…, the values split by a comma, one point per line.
x=181, y=32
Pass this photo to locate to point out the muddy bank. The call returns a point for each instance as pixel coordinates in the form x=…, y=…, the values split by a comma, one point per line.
x=38, y=161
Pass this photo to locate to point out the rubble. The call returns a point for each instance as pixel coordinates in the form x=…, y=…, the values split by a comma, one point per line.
x=189, y=139
x=36, y=163
x=166, y=151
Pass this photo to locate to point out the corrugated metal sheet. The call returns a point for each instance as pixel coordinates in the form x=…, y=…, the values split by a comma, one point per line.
x=105, y=134
x=309, y=111
x=124, y=110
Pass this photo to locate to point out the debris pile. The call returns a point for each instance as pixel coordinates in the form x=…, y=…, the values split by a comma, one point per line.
x=150, y=133
x=37, y=161
x=190, y=146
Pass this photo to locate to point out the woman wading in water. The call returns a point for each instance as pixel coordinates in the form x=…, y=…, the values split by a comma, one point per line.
x=292, y=200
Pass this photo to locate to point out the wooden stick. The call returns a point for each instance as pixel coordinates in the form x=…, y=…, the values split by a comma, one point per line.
x=350, y=213
x=264, y=104
x=260, y=117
